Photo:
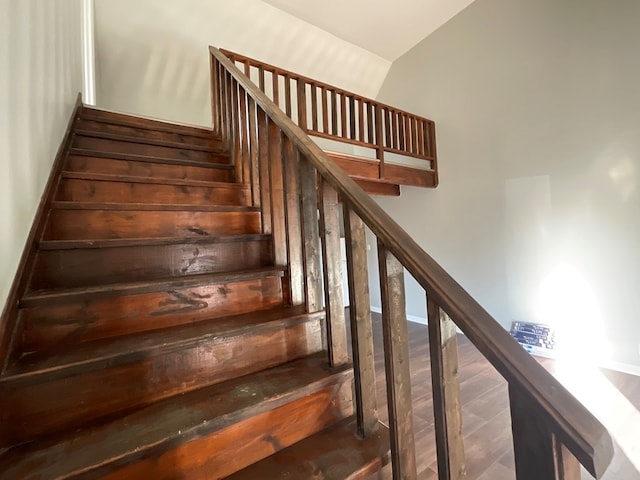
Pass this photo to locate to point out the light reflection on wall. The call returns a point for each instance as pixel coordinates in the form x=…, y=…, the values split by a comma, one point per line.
x=569, y=304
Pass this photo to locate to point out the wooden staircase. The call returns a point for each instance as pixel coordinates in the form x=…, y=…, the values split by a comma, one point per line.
x=156, y=336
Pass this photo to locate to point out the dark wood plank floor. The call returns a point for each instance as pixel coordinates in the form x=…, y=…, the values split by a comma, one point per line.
x=486, y=418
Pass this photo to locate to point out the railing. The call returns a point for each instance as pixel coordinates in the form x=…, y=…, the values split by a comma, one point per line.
x=292, y=180
x=329, y=112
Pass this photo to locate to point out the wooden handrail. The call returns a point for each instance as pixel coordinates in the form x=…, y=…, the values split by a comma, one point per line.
x=347, y=117
x=565, y=420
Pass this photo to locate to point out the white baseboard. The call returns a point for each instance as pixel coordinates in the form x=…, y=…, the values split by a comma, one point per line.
x=611, y=365
x=411, y=318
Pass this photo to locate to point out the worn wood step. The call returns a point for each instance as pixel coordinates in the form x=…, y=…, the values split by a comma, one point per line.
x=118, y=118
x=65, y=264
x=86, y=221
x=335, y=453
x=104, y=129
x=100, y=163
x=97, y=379
x=83, y=187
x=147, y=150
x=205, y=434
x=51, y=318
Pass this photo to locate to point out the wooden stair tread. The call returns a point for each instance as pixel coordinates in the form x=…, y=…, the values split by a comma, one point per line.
x=162, y=426
x=39, y=297
x=335, y=453
x=70, y=205
x=84, y=152
x=134, y=242
x=126, y=119
x=147, y=141
x=106, y=177
x=97, y=354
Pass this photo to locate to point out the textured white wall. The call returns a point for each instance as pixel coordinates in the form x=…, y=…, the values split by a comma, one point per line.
x=40, y=77
x=152, y=57
x=537, y=110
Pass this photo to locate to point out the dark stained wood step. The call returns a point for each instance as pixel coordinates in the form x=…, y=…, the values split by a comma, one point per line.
x=100, y=163
x=50, y=319
x=147, y=150
x=139, y=261
x=204, y=434
x=138, y=191
x=98, y=129
x=118, y=118
x=186, y=182
x=99, y=379
x=76, y=221
x=336, y=453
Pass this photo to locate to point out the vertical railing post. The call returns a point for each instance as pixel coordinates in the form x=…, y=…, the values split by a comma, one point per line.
x=215, y=91
x=254, y=148
x=334, y=302
x=396, y=360
x=533, y=443
x=243, y=129
x=302, y=104
x=566, y=464
x=264, y=170
x=361, y=326
x=278, y=224
x=292, y=217
x=311, y=236
x=236, y=150
x=379, y=140
x=447, y=409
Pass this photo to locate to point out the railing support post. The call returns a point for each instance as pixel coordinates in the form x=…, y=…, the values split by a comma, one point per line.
x=396, y=362
x=447, y=409
x=533, y=445
x=334, y=302
x=361, y=326
x=311, y=236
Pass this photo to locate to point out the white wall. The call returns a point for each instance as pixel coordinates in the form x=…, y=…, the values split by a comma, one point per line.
x=152, y=57
x=40, y=77
x=537, y=110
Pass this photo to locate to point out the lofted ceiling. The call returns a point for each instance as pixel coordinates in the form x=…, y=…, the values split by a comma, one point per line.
x=386, y=28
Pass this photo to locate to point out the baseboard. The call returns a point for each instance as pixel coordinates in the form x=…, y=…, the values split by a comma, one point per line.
x=610, y=365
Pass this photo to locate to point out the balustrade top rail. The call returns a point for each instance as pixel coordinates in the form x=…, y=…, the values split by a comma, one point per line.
x=333, y=113
x=564, y=416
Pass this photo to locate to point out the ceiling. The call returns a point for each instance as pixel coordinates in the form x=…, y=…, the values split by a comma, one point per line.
x=386, y=28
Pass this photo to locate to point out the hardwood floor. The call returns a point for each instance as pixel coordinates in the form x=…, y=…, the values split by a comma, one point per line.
x=486, y=417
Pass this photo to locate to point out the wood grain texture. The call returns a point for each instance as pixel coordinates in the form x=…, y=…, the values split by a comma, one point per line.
x=206, y=433
x=149, y=169
x=136, y=261
x=146, y=150
x=293, y=222
x=396, y=360
x=333, y=296
x=78, y=224
x=334, y=453
x=360, y=322
x=145, y=369
x=447, y=406
x=135, y=190
x=79, y=319
x=311, y=236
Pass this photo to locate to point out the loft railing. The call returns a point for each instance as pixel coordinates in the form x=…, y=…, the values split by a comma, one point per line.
x=292, y=181
x=332, y=113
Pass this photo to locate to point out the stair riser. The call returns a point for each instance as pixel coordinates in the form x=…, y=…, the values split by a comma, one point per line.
x=86, y=164
x=104, y=191
x=154, y=151
x=146, y=134
x=224, y=452
x=145, y=377
x=46, y=327
x=112, y=224
x=95, y=266
x=144, y=123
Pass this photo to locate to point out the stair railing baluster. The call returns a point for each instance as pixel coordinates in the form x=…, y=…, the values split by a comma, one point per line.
x=254, y=149
x=361, y=324
x=293, y=221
